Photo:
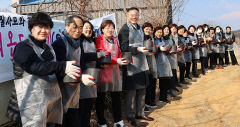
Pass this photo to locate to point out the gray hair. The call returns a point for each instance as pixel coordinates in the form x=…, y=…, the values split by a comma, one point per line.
x=70, y=19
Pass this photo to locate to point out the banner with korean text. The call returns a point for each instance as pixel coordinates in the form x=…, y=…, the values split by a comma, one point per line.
x=14, y=29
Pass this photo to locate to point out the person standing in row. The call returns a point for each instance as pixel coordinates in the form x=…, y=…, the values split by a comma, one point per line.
x=165, y=75
x=152, y=74
x=211, y=48
x=202, y=47
x=69, y=48
x=195, y=51
x=220, y=47
x=173, y=57
x=135, y=75
x=230, y=42
x=88, y=93
x=207, y=40
x=180, y=55
x=35, y=69
x=110, y=79
x=188, y=55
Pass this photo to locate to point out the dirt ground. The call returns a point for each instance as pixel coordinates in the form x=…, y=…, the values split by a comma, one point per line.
x=212, y=101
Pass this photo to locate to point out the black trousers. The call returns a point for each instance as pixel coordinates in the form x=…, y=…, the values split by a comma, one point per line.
x=206, y=61
x=215, y=55
x=182, y=68
x=210, y=59
x=116, y=107
x=220, y=58
x=71, y=118
x=79, y=117
x=194, y=67
x=151, y=90
x=188, y=66
x=233, y=58
x=227, y=58
x=85, y=107
x=174, y=78
x=164, y=86
x=203, y=64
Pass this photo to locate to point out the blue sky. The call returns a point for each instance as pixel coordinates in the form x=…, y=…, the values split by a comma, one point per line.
x=5, y=4
x=216, y=12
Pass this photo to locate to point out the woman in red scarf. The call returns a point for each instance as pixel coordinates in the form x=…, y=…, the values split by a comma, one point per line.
x=110, y=80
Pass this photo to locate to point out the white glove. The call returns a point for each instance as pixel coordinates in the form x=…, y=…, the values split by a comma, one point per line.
x=142, y=49
x=88, y=80
x=72, y=70
x=194, y=43
x=162, y=48
x=179, y=49
x=122, y=61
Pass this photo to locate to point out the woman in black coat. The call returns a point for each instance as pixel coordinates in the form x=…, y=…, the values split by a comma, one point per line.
x=35, y=69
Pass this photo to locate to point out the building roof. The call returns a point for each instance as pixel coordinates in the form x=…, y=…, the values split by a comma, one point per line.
x=32, y=1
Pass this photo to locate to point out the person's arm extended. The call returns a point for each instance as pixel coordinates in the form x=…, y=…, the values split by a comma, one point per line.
x=28, y=60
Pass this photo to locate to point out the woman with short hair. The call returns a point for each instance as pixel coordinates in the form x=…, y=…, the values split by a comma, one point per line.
x=202, y=47
x=220, y=47
x=152, y=74
x=38, y=94
x=110, y=79
x=195, y=50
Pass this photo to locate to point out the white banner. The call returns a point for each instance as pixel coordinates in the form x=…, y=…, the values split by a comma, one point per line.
x=14, y=29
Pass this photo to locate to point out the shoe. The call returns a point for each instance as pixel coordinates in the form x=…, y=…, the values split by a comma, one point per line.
x=184, y=86
x=152, y=105
x=193, y=80
x=170, y=93
x=165, y=101
x=132, y=122
x=209, y=71
x=177, y=98
x=225, y=65
x=105, y=125
x=220, y=67
x=146, y=109
x=178, y=85
x=188, y=77
x=144, y=118
x=184, y=82
x=217, y=66
x=206, y=70
x=196, y=76
x=212, y=68
x=119, y=124
x=174, y=88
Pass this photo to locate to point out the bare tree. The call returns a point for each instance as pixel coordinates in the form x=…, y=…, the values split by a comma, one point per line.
x=158, y=12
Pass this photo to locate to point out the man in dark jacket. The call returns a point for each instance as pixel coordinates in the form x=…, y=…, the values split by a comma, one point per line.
x=135, y=78
x=69, y=47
